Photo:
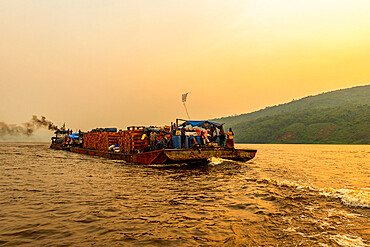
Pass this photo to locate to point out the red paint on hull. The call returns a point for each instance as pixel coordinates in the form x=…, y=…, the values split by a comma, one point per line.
x=170, y=156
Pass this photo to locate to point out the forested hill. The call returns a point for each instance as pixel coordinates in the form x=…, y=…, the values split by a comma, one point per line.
x=341, y=116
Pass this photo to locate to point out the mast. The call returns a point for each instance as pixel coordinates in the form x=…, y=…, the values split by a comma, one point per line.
x=184, y=96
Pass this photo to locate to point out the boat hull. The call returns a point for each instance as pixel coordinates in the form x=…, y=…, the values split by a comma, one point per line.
x=173, y=156
x=58, y=146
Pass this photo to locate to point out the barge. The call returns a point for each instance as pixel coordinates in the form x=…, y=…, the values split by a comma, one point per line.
x=170, y=147
x=173, y=156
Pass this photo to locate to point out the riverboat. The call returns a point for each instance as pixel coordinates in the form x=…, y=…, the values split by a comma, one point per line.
x=134, y=144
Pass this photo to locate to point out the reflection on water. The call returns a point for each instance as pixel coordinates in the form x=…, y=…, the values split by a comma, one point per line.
x=307, y=195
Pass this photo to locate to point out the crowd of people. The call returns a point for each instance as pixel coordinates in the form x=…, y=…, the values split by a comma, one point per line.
x=189, y=137
x=158, y=140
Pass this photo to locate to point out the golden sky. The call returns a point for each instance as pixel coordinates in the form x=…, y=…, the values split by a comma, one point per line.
x=115, y=63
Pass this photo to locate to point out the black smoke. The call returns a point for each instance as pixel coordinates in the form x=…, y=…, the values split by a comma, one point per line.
x=26, y=129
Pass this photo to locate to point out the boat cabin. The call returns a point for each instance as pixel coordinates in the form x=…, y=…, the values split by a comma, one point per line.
x=60, y=136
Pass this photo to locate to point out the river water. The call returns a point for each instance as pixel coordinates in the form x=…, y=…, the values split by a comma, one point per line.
x=289, y=195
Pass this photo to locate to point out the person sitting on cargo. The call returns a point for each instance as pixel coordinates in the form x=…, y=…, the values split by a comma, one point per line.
x=152, y=140
x=230, y=138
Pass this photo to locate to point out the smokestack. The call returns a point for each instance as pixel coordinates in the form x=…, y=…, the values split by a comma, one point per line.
x=26, y=129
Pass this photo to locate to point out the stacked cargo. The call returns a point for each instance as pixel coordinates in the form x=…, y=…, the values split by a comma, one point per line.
x=139, y=144
x=125, y=141
x=129, y=141
x=96, y=141
x=89, y=140
x=113, y=138
x=104, y=144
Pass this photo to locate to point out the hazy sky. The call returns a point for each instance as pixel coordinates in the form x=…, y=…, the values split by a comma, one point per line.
x=115, y=63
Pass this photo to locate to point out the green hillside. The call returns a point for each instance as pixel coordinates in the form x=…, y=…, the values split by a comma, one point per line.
x=341, y=116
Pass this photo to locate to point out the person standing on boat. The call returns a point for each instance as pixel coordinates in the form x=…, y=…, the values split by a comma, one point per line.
x=230, y=138
x=199, y=133
x=145, y=138
x=152, y=139
x=164, y=142
x=213, y=134
x=205, y=136
x=183, y=137
x=222, y=135
x=159, y=141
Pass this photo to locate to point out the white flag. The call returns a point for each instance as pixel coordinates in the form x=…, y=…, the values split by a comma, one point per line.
x=184, y=96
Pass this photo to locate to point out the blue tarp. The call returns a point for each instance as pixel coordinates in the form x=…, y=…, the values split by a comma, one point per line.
x=110, y=129
x=73, y=136
x=201, y=123
x=104, y=129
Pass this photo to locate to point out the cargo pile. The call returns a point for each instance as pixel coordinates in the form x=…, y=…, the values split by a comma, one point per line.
x=125, y=141
x=129, y=141
x=96, y=141
x=113, y=138
x=137, y=143
x=100, y=140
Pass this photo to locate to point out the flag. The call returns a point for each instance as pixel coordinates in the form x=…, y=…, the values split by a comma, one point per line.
x=184, y=96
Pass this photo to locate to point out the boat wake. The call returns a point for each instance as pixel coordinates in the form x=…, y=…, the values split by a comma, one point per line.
x=349, y=197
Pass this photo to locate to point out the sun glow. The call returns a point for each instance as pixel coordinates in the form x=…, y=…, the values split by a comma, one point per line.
x=118, y=56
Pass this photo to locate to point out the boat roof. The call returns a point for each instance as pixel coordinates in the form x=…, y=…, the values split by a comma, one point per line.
x=201, y=123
